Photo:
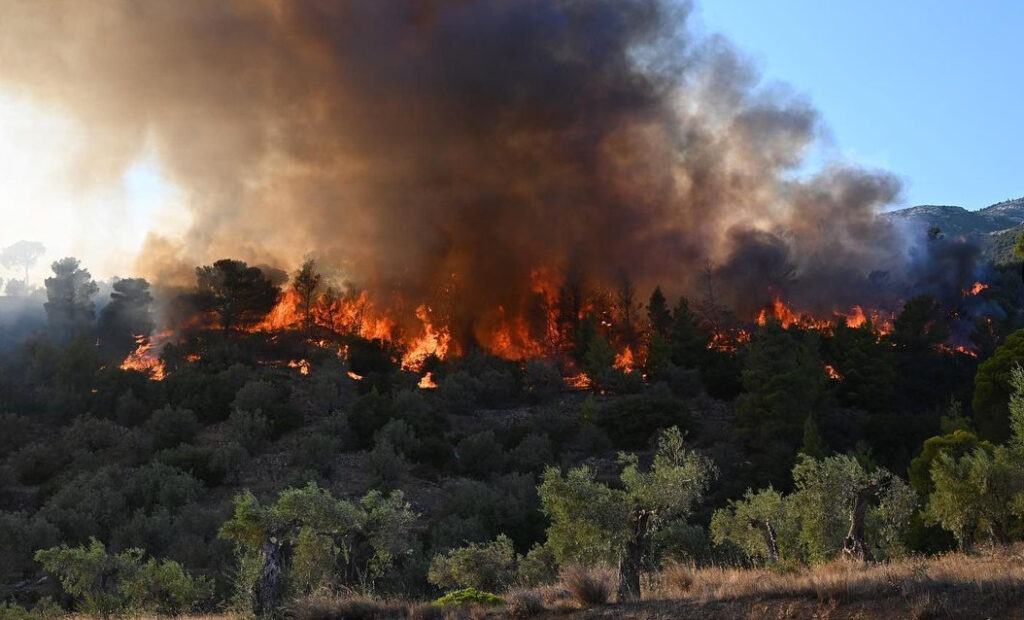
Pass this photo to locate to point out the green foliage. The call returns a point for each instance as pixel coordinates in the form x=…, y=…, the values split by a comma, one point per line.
x=590, y=520
x=44, y=609
x=469, y=596
x=487, y=566
x=977, y=494
x=105, y=584
x=783, y=385
x=335, y=542
x=170, y=427
x=20, y=535
x=69, y=306
x=689, y=341
x=387, y=465
x=635, y=419
x=956, y=444
x=811, y=523
x=744, y=521
x=992, y=388
x=480, y=454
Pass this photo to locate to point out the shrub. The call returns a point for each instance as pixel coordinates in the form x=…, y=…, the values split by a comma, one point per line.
x=480, y=454
x=634, y=419
x=36, y=463
x=533, y=453
x=588, y=586
x=249, y=428
x=387, y=465
x=44, y=609
x=525, y=603
x=538, y=566
x=107, y=584
x=469, y=596
x=487, y=566
x=171, y=427
x=214, y=465
x=543, y=381
x=317, y=452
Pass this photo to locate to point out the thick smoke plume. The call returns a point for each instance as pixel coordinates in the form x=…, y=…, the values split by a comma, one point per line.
x=458, y=148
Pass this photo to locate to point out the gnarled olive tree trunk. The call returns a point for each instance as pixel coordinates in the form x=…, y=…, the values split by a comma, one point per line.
x=267, y=589
x=632, y=558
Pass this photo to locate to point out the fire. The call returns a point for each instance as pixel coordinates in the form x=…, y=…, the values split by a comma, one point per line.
x=580, y=381
x=145, y=359
x=958, y=348
x=301, y=365
x=624, y=360
x=855, y=318
x=427, y=382
x=433, y=342
x=832, y=373
x=975, y=289
x=354, y=376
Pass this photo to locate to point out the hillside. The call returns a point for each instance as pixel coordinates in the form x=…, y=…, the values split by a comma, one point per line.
x=997, y=226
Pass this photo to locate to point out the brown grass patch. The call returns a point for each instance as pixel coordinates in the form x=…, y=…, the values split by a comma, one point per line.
x=588, y=586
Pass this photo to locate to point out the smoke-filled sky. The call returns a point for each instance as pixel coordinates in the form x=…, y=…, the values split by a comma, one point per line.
x=422, y=145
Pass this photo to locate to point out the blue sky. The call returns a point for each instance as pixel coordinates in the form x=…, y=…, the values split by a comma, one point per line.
x=933, y=91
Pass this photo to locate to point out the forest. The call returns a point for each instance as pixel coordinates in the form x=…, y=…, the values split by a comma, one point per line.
x=272, y=455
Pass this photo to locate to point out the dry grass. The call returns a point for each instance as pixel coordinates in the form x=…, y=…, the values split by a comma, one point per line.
x=360, y=608
x=997, y=571
x=525, y=603
x=588, y=586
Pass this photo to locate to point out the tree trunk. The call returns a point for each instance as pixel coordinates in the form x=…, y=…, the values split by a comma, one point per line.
x=632, y=558
x=855, y=547
x=768, y=532
x=266, y=590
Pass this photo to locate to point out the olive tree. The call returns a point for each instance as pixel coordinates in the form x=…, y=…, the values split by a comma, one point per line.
x=591, y=521
x=308, y=539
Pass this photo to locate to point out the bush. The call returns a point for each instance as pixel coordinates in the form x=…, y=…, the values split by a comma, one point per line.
x=587, y=586
x=488, y=566
x=525, y=603
x=249, y=428
x=543, y=381
x=538, y=566
x=316, y=452
x=44, y=609
x=214, y=465
x=633, y=420
x=107, y=584
x=480, y=454
x=171, y=427
x=387, y=466
x=469, y=596
x=36, y=463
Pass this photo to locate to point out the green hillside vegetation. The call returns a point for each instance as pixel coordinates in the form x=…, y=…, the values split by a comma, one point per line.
x=240, y=483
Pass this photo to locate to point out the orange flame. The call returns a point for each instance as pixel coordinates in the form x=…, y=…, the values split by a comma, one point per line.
x=145, y=359
x=975, y=289
x=427, y=382
x=302, y=365
x=432, y=342
x=624, y=360
x=832, y=373
x=354, y=376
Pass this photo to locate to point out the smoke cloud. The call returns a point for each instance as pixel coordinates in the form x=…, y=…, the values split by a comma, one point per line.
x=457, y=146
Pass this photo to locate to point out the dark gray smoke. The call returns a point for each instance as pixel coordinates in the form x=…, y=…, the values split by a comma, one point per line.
x=422, y=146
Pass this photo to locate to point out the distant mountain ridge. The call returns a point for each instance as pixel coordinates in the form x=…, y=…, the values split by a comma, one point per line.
x=959, y=221
x=998, y=225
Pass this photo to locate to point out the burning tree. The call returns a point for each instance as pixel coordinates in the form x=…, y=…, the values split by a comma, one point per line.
x=239, y=295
